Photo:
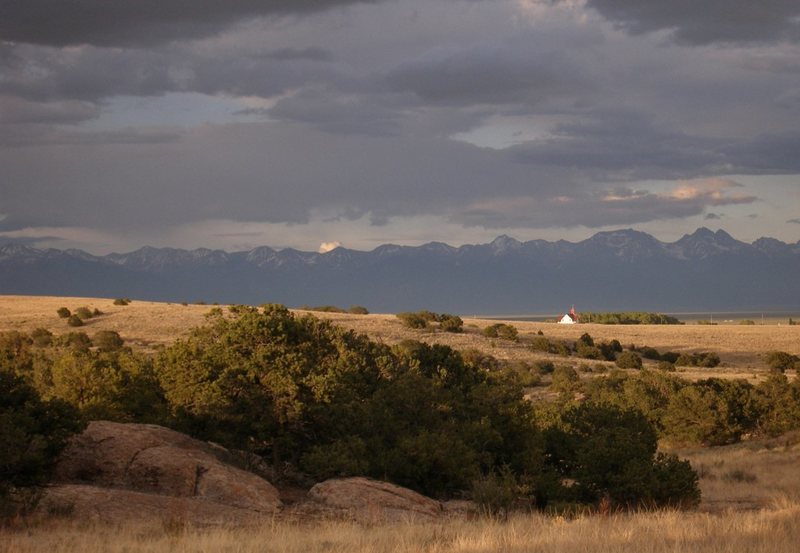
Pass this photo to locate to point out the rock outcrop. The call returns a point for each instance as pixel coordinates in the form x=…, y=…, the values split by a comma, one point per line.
x=371, y=501
x=158, y=469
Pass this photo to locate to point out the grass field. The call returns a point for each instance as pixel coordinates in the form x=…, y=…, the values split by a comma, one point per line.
x=146, y=324
x=774, y=530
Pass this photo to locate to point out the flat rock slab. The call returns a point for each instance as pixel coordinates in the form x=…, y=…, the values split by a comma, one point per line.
x=115, y=506
x=372, y=501
x=154, y=460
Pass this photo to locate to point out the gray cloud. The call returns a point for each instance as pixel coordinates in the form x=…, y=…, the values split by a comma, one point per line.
x=20, y=111
x=712, y=217
x=139, y=23
x=623, y=146
x=602, y=207
x=794, y=221
x=710, y=21
x=90, y=74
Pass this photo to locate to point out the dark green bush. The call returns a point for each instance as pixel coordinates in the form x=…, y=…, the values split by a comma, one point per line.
x=122, y=301
x=358, y=310
x=501, y=330
x=74, y=320
x=413, y=320
x=78, y=341
x=32, y=432
x=84, y=313
x=108, y=340
x=42, y=338
x=629, y=360
x=451, y=323
x=565, y=379
x=782, y=361
x=63, y=312
x=610, y=453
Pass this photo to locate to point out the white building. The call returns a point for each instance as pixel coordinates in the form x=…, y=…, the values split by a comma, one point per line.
x=570, y=318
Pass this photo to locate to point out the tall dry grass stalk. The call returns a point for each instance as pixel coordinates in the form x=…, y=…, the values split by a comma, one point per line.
x=774, y=530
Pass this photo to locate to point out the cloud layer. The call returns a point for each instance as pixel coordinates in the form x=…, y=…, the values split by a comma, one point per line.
x=125, y=117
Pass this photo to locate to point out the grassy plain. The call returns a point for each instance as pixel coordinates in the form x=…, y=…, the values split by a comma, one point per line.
x=146, y=324
x=751, y=490
x=774, y=530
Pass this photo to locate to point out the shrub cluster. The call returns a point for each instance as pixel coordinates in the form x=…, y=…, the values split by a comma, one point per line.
x=629, y=318
x=502, y=331
x=708, y=412
x=308, y=395
x=422, y=319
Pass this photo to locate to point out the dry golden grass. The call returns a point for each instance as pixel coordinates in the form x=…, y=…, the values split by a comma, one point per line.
x=774, y=530
x=748, y=475
x=144, y=324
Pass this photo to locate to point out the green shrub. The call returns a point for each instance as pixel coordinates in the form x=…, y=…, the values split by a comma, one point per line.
x=781, y=361
x=413, y=320
x=701, y=359
x=588, y=351
x=358, y=310
x=501, y=330
x=544, y=367
x=122, y=301
x=607, y=452
x=540, y=343
x=63, y=312
x=649, y=353
x=108, y=340
x=495, y=494
x=84, y=313
x=78, y=341
x=451, y=323
x=32, y=432
x=665, y=366
x=42, y=338
x=628, y=360
x=74, y=320
x=565, y=379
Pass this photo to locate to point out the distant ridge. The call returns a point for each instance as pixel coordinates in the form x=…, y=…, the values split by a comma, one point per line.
x=616, y=270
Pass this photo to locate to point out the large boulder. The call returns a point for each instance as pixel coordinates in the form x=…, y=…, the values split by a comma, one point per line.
x=151, y=459
x=371, y=501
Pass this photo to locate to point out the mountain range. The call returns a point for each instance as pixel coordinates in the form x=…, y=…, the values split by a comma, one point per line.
x=616, y=270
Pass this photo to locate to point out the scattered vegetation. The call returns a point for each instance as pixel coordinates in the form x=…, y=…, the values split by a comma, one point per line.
x=781, y=361
x=502, y=331
x=74, y=320
x=122, y=301
x=629, y=318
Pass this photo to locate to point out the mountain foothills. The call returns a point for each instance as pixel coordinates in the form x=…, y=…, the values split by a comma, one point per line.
x=619, y=270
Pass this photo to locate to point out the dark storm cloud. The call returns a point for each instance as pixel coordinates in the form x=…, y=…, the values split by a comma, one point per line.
x=707, y=21
x=136, y=23
x=340, y=114
x=523, y=70
x=624, y=146
x=92, y=73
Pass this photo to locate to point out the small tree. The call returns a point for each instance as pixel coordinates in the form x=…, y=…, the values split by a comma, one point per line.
x=32, y=432
x=413, y=320
x=84, y=313
x=108, y=340
x=451, y=323
x=74, y=320
x=781, y=361
x=42, y=338
x=629, y=360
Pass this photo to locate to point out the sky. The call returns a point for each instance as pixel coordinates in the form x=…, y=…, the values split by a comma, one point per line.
x=233, y=124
